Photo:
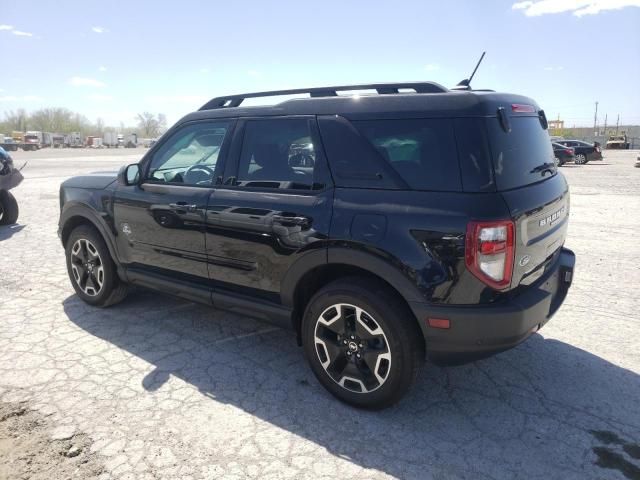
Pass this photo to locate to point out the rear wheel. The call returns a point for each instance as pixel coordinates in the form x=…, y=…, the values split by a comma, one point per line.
x=91, y=268
x=8, y=208
x=362, y=342
x=581, y=158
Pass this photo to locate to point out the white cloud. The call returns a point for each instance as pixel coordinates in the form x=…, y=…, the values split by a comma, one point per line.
x=99, y=29
x=577, y=7
x=100, y=98
x=20, y=33
x=432, y=67
x=6, y=27
x=102, y=68
x=86, y=82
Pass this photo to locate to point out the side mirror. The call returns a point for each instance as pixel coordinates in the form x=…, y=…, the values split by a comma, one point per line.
x=129, y=175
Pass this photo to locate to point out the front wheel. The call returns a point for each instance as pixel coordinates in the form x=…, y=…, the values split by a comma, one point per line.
x=91, y=269
x=362, y=343
x=8, y=208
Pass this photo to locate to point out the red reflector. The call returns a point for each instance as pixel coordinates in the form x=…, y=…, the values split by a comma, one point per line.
x=489, y=248
x=521, y=108
x=438, y=322
x=568, y=152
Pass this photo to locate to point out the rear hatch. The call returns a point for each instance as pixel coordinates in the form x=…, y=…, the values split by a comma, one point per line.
x=536, y=194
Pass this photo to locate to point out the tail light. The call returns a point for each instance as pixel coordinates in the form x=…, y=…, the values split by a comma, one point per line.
x=489, y=252
x=569, y=151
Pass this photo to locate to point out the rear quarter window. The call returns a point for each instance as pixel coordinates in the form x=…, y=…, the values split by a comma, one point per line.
x=522, y=156
x=422, y=151
x=474, y=155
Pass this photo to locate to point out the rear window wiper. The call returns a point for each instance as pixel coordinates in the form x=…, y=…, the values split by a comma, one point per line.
x=545, y=167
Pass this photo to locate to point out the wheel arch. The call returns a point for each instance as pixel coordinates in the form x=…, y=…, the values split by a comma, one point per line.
x=306, y=278
x=76, y=215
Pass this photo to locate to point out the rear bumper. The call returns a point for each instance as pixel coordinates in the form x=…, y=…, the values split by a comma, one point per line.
x=478, y=331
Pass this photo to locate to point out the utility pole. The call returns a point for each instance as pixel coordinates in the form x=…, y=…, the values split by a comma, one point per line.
x=595, y=120
x=617, y=123
x=605, y=123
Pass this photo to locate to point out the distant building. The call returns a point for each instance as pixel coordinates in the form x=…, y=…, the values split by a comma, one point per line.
x=556, y=124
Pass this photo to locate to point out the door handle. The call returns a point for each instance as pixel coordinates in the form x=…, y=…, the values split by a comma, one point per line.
x=283, y=219
x=183, y=206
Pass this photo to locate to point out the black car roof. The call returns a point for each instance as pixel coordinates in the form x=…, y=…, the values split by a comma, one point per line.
x=439, y=102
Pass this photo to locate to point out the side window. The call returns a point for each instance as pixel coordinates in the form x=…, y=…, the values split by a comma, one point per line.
x=277, y=153
x=422, y=151
x=354, y=161
x=190, y=155
x=474, y=155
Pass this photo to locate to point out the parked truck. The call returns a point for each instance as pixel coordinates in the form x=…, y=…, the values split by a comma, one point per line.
x=73, y=140
x=92, y=141
x=617, y=142
x=57, y=140
x=113, y=139
x=8, y=143
x=131, y=140
x=47, y=140
x=32, y=140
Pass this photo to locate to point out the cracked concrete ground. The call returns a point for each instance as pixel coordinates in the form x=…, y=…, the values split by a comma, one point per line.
x=168, y=389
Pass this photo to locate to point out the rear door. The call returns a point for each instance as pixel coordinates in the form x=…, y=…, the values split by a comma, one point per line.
x=161, y=221
x=536, y=194
x=274, y=207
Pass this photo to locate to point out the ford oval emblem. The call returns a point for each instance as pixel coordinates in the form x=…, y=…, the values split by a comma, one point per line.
x=524, y=260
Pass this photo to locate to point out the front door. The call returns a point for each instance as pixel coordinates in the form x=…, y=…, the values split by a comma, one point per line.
x=274, y=207
x=160, y=221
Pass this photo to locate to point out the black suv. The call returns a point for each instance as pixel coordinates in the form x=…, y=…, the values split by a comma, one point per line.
x=379, y=227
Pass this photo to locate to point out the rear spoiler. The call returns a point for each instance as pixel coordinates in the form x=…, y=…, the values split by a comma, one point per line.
x=516, y=108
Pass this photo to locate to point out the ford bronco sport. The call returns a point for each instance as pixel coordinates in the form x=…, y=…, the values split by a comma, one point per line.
x=381, y=227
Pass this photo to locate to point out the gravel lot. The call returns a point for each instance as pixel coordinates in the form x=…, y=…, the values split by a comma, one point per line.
x=160, y=388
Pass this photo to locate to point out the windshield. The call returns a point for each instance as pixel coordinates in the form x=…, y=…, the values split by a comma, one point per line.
x=522, y=156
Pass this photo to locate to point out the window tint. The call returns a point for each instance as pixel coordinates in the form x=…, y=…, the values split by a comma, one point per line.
x=190, y=155
x=278, y=153
x=473, y=154
x=354, y=162
x=522, y=156
x=423, y=152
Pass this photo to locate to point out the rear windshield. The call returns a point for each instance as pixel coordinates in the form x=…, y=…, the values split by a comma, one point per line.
x=422, y=151
x=522, y=156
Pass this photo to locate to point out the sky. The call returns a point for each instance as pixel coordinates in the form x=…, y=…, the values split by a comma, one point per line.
x=111, y=60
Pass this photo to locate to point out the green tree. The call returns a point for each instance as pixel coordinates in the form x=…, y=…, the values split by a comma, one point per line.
x=15, y=120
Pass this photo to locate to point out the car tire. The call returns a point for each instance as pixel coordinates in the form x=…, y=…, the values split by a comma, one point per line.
x=581, y=159
x=91, y=269
x=362, y=342
x=8, y=208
